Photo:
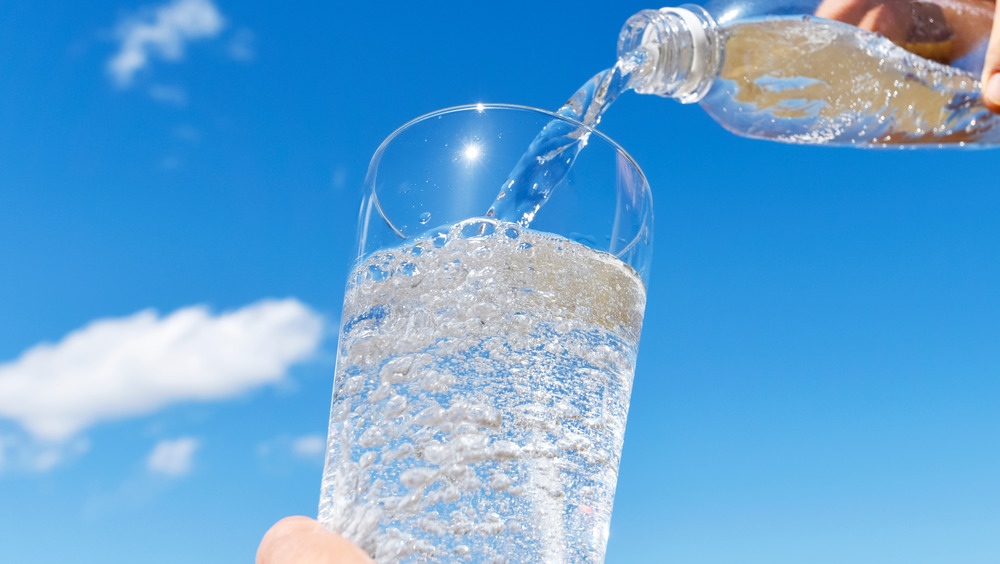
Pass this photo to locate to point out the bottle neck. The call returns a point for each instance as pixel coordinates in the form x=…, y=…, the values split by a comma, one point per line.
x=681, y=48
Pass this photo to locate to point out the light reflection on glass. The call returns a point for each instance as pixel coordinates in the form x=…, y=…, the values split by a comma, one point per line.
x=472, y=151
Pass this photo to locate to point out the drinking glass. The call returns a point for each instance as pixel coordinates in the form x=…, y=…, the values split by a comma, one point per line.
x=484, y=366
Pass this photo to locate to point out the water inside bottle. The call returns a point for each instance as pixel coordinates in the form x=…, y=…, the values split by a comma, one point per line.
x=791, y=79
x=820, y=82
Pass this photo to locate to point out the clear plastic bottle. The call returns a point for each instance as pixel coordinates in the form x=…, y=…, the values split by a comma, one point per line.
x=867, y=73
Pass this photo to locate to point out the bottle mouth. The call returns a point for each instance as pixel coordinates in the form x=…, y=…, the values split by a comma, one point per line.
x=680, y=47
x=639, y=30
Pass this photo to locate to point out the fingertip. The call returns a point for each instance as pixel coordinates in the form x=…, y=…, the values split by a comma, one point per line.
x=295, y=522
x=302, y=540
x=991, y=92
x=274, y=536
x=991, y=66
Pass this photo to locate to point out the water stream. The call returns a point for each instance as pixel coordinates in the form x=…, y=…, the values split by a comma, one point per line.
x=551, y=154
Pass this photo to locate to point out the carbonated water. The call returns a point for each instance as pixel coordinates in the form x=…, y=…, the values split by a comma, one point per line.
x=482, y=385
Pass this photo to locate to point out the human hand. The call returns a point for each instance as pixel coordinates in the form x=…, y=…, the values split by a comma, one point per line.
x=301, y=540
x=991, y=69
x=934, y=29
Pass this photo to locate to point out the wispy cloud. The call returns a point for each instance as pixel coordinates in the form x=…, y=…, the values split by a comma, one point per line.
x=187, y=133
x=129, y=366
x=21, y=453
x=173, y=457
x=309, y=446
x=241, y=46
x=163, y=32
x=168, y=460
x=170, y=163
x=173, y=95
x=339, y=178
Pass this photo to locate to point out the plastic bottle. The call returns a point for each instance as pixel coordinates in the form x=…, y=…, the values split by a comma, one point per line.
x=889, y=73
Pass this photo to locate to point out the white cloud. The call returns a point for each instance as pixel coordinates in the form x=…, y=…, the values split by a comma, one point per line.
x=309, y=446
x=162, y=31
x=128, y=366
x=173, y=457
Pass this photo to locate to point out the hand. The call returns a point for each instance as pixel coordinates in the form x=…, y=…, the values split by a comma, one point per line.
x=943, y=31
x=991, y=70
x=301, y=540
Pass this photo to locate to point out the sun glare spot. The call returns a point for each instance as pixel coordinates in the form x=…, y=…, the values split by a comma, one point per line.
x=472, y=151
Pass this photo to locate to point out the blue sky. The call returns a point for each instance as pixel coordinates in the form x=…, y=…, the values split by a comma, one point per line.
x=818, y=374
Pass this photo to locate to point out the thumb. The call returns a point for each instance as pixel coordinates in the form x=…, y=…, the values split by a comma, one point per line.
x=991, y=67
x=301, y=540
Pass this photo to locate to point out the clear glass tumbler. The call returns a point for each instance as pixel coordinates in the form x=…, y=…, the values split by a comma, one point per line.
x=484, y=367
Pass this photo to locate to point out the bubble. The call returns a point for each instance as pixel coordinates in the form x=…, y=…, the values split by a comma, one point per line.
x=451, y=413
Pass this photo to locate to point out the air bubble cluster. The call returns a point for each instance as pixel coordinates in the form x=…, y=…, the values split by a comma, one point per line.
x=480, y=398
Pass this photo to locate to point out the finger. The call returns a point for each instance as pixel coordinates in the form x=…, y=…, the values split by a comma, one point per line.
x=847, y=11
x=991, y=67
x=301, y=540
x=890, y=23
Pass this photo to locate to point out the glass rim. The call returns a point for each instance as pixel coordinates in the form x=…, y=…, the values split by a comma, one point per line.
x=482, y=106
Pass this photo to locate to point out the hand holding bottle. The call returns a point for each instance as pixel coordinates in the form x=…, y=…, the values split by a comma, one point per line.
x=857, y=73
x=991, y=72
x=944, y=32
